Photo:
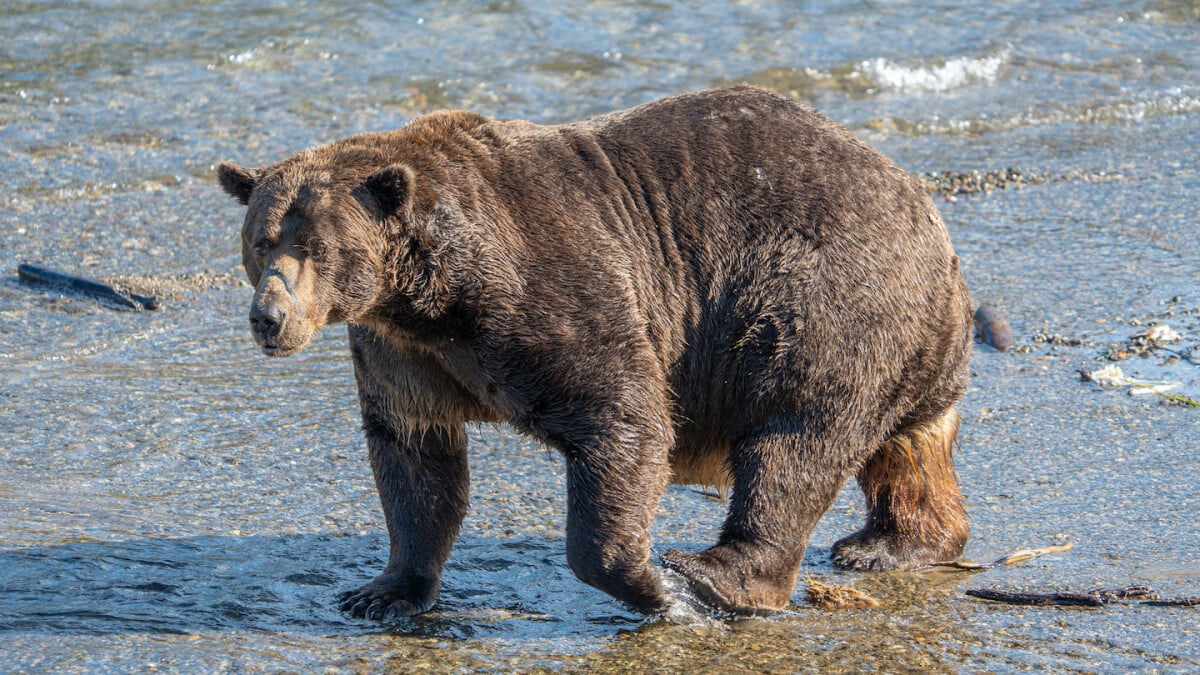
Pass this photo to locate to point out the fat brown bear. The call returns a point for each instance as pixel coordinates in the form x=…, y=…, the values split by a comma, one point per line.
x=722, y=287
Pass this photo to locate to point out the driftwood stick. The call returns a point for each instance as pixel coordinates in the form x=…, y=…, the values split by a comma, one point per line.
x=1172, y=602
x=1093, y=598
x=1127, y=593
x=1035, y=598
x=90, y=287
x=1010, y=559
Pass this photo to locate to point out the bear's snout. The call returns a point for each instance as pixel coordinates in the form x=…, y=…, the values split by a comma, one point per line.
x=276, y=318
x=266, y=320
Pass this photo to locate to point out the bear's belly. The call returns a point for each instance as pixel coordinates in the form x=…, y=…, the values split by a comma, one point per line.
x=696, y=462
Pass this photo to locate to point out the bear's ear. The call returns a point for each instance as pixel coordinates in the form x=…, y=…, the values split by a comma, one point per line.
x=238, y=181
x=392, y=187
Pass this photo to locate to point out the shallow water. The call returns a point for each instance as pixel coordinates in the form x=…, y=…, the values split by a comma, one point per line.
x=170, y=499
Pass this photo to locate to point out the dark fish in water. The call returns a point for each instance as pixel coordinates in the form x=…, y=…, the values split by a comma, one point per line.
x=90, y=287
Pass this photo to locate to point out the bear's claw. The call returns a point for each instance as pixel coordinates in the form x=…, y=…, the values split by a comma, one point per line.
x=860, y=557
x=869, y=550
x=717, y=576
x=373, y=604
x=701, y=584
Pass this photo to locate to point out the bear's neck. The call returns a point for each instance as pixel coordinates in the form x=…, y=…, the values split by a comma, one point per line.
x=399, y=318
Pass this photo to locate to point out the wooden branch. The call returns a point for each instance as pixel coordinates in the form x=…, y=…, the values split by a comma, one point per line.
x=1093, y=598
x=1173, y=602
x=1035, y=598
x=1021, y=556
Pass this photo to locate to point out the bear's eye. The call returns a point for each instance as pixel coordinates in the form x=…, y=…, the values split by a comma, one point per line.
x=261, y=249
x=318, y=250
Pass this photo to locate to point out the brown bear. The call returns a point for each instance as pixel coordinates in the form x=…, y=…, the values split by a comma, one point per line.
x=722, y=287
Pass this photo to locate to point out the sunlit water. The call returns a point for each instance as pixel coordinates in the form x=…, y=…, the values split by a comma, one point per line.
x=171, y=499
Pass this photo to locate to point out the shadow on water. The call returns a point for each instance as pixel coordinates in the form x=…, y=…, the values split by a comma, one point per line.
x=516, y=588
x=501, y=598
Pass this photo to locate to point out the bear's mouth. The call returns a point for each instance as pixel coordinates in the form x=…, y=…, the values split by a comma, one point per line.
x=284, y=345
x=276, y=350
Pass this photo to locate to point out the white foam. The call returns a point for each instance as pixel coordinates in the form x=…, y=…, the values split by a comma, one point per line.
x=686, y=608
x=241, y=57
x=943, y=76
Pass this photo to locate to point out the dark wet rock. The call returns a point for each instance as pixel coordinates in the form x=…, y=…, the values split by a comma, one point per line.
x=992, y=328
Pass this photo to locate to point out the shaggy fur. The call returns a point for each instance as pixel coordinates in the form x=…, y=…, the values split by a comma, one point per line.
x=721, y=287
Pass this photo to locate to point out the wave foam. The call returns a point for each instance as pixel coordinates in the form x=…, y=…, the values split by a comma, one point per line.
x=944, y=76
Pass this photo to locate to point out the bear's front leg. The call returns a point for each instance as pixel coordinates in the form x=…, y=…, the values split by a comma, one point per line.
x=422, y=477
x=613, y=489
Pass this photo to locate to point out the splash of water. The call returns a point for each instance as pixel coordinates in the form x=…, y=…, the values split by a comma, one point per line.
x=938, y=77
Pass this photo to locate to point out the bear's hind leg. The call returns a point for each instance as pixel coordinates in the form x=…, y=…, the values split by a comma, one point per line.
x=786, y=474
x=915, y=512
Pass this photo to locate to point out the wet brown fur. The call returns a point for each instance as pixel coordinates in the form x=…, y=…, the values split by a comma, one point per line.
x=722, y=287
x=913, y=500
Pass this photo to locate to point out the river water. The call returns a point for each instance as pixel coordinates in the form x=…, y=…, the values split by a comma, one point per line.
x=171, y=500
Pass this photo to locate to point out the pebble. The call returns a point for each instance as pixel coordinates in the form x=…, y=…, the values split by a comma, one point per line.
x=948, y=184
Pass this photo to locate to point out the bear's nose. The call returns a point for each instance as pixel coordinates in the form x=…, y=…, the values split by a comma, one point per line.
x=266, y=321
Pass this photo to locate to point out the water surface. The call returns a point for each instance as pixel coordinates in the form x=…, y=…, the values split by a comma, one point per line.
x=170, y=499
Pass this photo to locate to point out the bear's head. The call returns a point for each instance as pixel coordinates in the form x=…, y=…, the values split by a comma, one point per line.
x=334, y=237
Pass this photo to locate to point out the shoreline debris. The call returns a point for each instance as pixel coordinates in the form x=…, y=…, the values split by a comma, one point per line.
x=1093, y=598
x=1112, y=376
x=832, y=596
x=96, y=289
x=1013, y=558
x=1097, y=597
x=1153, y=338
